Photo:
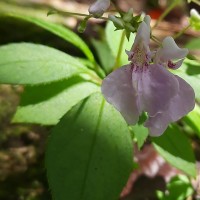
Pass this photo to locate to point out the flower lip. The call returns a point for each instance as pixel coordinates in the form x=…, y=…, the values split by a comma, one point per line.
x=170, y=54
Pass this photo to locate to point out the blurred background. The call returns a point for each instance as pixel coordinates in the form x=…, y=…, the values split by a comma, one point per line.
x=22, y=170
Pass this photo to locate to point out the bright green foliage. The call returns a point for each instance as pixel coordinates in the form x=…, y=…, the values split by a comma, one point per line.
x=190, y=72
x=46, y=104
x=113, y=38
x=193, y=44
x=175, y=147
x=179, y=188
x=89, y=154
x=105, y=56
x=58, y=30
x=27, y=63
x=193, y=119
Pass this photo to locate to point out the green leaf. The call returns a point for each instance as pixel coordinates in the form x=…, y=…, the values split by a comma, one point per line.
x=26, y=63
x=178, y=188
x=46, y=104
x=104, y=54
x=193, y=119
x=140, y=134
x=175, y=147
x=113, y=39
x=190, y=72
x=58, y=30
x=89, y=153
x=193, y=44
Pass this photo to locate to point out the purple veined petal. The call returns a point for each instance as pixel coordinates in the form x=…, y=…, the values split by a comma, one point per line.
x=180, y=105
x=170, y=51
x=157, y=124
x=118, y=91
x=99, y=7
x=158, y=87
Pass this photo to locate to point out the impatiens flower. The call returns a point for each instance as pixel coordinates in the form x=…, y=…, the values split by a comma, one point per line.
x=145, y=85
x=99, y=7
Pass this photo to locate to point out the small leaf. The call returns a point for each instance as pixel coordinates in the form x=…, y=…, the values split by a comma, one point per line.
x=89, y=153
x=140, y=134
x=46, y=104
x=27, y=63
x=193, y=119
x=175, y=147
x=178, y=188
x=58, y=30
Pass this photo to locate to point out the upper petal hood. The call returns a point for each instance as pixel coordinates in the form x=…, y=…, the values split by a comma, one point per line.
x=117, y=90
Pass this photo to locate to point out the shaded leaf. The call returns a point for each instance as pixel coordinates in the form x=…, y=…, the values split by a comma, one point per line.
x=89, y=153
x=174, y=146
x=58, y=30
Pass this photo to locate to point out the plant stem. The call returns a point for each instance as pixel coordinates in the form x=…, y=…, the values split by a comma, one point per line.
x=117, y=62
x=196, y=1
x=181, y=32
x=154, y=38
x=167, y=11
x=77, y=14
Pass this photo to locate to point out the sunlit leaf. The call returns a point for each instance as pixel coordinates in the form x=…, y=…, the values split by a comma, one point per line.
x=26, y=63
x=89, y=153
x=46, y=104
x=193, y=119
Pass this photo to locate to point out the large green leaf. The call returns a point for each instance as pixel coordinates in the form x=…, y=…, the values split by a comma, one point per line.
x=58, y=30
x=190, y=72
x=113, y=39
x=46, y=104
x=174, y=146
x=26, y=63
x=193, y=119
x=89, y=153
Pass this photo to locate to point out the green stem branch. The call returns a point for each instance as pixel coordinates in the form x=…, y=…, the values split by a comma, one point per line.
x=167, y=11
x=181, y=32
x=117, y=62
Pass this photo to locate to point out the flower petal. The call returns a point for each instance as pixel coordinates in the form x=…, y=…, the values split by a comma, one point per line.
x=170, y=51
x=158, y=87
x=118, y=91
x=183, y=102
x=99, y=7
x=157, y=124
x=179, y=106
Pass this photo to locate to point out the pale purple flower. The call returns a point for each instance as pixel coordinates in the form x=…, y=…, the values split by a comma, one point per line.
x=145, y=85
x=99, y=7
